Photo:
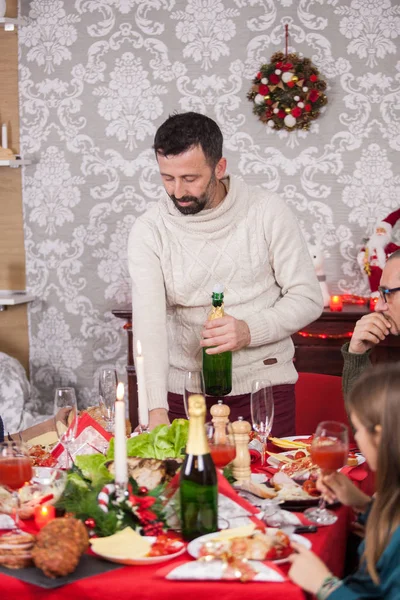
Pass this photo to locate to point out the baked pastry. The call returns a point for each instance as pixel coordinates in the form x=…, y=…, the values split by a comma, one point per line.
x=59, y=546
x=16, y=550
x=258, y=489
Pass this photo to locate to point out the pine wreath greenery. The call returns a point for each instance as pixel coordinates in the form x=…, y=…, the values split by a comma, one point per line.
x=288, y=93
x=142, y=509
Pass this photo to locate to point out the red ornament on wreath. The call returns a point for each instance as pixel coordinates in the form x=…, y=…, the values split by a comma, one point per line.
x=295, y=90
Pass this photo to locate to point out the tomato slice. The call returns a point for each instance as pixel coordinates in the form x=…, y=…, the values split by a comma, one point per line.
x=299, y=454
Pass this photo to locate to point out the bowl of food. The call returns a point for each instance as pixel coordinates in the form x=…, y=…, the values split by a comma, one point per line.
x=46, y=486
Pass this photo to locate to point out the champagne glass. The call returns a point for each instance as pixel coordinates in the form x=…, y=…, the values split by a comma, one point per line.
x=15, y=471
x=108, y=381
x=262, y=411
x=194, y=384
x=329, y=450
x=65, y=400
x=221, y=442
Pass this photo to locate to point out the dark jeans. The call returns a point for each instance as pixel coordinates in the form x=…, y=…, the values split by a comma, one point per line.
x=284, y=401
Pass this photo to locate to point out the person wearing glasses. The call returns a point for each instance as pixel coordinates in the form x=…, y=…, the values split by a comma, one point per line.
x=371, y=329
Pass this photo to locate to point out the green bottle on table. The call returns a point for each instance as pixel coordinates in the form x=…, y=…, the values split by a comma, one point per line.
x=217, y=368
x=198, y=478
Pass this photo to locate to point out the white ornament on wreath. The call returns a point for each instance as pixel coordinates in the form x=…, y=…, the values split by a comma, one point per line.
x=289, y=121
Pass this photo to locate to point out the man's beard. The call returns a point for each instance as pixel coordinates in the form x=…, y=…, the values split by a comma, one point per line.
x=197, y=204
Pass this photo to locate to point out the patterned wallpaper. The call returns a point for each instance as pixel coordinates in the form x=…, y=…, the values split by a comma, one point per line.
x=96, y=79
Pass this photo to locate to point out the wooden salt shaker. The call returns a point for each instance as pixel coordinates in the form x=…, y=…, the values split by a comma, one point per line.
x=220, y=418
x=241, y=465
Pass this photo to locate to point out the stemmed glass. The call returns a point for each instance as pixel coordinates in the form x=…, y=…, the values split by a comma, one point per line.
x=15, y=471
x=329, y=450
x=221, y=442
x=108, y=382
x=65, y=399
x=194, y=384
x=262, y=411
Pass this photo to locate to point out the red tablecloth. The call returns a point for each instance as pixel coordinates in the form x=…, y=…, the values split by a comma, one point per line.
x=148, y=583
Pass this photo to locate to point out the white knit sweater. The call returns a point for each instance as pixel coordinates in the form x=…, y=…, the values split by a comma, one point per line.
x=252, y=244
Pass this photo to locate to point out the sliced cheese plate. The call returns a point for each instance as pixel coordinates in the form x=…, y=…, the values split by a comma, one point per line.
x=129, y=548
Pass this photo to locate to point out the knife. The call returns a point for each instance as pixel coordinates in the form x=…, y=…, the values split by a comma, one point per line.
x=305, y=529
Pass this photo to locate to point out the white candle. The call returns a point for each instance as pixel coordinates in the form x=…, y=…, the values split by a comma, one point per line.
x=142, y=392
x=4, y=136
x=120, y=460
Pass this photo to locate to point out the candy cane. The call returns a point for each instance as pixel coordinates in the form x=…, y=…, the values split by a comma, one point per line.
x=104, y=497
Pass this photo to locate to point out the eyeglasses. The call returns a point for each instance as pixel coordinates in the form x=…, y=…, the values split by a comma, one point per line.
x=385, y=292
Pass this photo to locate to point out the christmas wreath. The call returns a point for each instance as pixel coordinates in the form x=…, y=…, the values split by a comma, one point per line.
x=288, y=92
x=104, y=514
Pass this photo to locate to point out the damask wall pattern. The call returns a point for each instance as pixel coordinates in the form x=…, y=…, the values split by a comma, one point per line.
x=96, y=79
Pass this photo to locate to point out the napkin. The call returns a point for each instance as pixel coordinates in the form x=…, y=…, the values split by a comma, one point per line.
x=358, y=473
x=254, y=455
x=6, y=522
x=90, y=438
x=216, y=570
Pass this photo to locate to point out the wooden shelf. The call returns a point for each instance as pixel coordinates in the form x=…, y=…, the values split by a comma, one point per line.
x=9, y=24
x=11, y=298
x=17, y=162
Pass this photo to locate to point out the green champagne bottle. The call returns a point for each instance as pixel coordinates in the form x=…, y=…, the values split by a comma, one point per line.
x=198, y=478
x=217, y=368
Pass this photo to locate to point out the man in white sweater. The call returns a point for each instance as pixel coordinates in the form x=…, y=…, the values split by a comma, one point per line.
x=212, y=228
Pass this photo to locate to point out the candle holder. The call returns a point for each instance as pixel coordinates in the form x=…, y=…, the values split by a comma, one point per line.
x=336, y=304
x=43, y=514
x=372, y=303
x=121, y=491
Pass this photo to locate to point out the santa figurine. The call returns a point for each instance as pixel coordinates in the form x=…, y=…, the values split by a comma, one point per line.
x=373, y=255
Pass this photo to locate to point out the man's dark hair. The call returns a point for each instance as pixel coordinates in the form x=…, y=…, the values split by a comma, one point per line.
x=183, y=131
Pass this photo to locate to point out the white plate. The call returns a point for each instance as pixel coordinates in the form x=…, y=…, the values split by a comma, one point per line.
x=144, y=560
x=274, y=462
x=195, y=545
x=258, y=477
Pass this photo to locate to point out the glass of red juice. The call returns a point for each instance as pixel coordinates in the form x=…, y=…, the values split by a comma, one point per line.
x=221, y=443
x=329, y=450
x=15, y=471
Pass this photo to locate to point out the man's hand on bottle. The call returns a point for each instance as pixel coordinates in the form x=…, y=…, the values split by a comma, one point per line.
x=158, y=416
x=369, y=331
x=226, y=333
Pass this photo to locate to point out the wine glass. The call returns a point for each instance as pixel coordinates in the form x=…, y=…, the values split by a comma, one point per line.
x=108, y=382
x=194, y=384
x=329, y=450
x=65, y=402
x=15, y=471
x=221, y=442
x=262, y=411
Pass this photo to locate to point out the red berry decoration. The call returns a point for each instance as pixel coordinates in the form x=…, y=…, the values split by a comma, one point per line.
x=90, y=523
x=143, y=490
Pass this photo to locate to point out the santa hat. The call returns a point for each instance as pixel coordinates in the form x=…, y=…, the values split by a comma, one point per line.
x=390, y=221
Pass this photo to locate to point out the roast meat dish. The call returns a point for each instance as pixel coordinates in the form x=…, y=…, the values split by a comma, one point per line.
x=150, y=472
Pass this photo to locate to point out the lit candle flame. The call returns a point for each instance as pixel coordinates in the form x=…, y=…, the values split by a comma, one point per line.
x=120, y=391
x=139, y=348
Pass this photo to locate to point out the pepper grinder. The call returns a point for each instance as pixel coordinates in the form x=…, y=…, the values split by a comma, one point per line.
x=220, y=418
x=241, y=464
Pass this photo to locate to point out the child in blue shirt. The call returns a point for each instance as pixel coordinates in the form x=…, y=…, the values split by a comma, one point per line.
x=374, y=408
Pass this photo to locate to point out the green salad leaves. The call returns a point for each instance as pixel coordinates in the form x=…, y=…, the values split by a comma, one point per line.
x=165, y=441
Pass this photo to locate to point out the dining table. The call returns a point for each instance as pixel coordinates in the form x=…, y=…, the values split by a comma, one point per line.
x=147, y=582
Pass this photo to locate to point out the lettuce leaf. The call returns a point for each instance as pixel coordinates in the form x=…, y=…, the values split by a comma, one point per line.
x=93, y=468
x=165, y=441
